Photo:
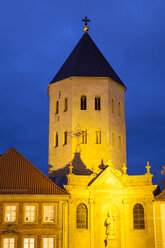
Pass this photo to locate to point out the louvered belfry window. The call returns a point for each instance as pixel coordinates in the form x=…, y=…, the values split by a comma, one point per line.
x=138, y=217
x=82, y=216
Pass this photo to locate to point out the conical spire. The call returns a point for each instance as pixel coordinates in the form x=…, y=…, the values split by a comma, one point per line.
x=86, y=60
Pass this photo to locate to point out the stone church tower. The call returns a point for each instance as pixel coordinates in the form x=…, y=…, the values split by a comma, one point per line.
x=87, y=112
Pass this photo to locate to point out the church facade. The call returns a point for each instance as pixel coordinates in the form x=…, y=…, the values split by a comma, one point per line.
x=101, y=206
x=87, y=142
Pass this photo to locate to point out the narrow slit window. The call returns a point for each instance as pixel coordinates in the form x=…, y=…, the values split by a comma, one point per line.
x=113, y=139
x=65, y=107
x=98, y=136
x=55, y=139
x=83, y=103
x=57, y=107
x=64, y=137
x=84, y=136
x=119, y=108
x=120, y=141
x=113, y=105
x=138, y=217
x=97, y=103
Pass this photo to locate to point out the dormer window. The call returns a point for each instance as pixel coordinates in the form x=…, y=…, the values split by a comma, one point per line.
x=83, y=102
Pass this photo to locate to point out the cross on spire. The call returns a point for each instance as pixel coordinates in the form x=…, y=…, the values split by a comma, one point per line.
x=86, y=20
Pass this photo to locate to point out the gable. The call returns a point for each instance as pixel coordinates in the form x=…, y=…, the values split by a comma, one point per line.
x=19, y=176
x=109, y=178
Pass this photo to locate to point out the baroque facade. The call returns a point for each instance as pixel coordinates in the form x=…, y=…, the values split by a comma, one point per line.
x=100, y=205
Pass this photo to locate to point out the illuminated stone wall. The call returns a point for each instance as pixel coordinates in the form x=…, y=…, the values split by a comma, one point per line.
x=106, y=120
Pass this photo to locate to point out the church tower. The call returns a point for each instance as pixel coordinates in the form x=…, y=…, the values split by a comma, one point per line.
x=86, y=111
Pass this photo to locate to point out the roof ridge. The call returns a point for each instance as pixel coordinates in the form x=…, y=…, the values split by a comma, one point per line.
x=34, y=168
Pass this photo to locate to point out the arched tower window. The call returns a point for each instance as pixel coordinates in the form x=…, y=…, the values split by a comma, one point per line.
x=83, y=136
x=119, y=108
x=65, y=104
x=138, y=216
x=97, y=103
x=56, y=107
x=98, y=136
x=83, y=103
x=64, y=137
x=55, y=139
x=113, y=105
x=82, y=216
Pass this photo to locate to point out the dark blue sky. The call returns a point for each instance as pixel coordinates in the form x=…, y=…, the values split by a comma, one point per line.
x=36, y=37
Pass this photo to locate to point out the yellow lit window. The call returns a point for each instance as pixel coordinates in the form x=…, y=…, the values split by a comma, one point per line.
x=64, y=137
x=97, y=103
x=65, y=105
x=56, y=107
x=98, y=136
x=55, y=139
x=120, y=141
x=82, y=216
x=48, y=243
x=9, y=243
x=113, y=105
x=29, y=243
x=113, y=139
x=30, y=213
x=119, y=108
x=138, y=217
x=84, y=136
x=83, y=103
x=10, y=213
x=49, y=213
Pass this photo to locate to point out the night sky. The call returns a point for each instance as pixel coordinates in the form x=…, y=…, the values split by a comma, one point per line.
x=36, y=37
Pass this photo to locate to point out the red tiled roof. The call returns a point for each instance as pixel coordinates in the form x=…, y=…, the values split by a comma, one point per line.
x=19, y=176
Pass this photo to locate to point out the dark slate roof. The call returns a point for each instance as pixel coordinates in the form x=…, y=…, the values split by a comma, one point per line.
x=19, y=176
x=86, y=60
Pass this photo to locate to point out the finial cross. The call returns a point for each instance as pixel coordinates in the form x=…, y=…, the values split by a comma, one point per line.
x=148, y=168
x=86, y=20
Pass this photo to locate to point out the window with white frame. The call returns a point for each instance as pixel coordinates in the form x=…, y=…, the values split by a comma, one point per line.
x=9, y=243
x=48, y=243
x=49, y=213
x=29, y=243
x=10, y=213
x=30, y=213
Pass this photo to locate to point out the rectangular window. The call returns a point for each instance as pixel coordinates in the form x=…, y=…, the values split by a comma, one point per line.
x=65, y=104
x=29, y=243
x=49, y=213
x=56, y=107
x=9, y=243
x=48, y=243
x=113, y=105
x=55, y=139
x=10, y=213
x=65, y=137
x=30, y=213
